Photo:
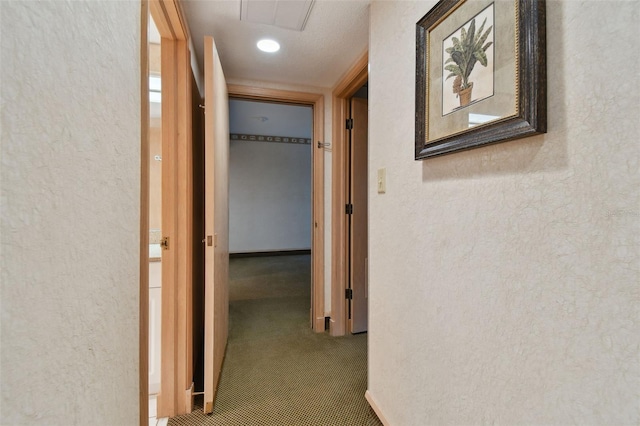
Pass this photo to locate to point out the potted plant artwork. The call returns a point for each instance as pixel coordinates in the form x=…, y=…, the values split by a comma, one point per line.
x=466, y=51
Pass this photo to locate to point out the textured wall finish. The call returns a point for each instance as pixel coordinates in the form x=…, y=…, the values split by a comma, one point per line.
x=270, y=183
x=264, y=118
x=504, y=281
x=70, y=122
x=269, y=196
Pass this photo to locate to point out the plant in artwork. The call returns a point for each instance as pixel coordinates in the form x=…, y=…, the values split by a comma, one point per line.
x=467, y=50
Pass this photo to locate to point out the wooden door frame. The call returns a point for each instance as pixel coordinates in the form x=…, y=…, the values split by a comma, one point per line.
x=176, y=345
x=353, y=80
x=316, y=101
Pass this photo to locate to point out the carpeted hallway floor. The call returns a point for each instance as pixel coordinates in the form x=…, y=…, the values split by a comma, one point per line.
x=276, y=370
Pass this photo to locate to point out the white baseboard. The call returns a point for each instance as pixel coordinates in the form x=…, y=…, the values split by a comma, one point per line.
x=153, y=406
x=372, y=402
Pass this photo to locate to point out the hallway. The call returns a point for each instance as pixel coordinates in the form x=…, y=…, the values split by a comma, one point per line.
x=276, y=370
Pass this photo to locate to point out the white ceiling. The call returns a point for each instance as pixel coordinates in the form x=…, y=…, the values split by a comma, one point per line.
x=291, y=14
x=335, y=36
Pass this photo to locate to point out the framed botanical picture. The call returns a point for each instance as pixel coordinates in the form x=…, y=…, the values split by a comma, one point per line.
x=480, y=74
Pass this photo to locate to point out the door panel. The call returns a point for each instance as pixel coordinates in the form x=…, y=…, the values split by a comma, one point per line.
x=216, y=239
x=359, y=235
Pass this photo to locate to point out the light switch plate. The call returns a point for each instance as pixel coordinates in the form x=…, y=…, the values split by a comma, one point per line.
x=382, y=181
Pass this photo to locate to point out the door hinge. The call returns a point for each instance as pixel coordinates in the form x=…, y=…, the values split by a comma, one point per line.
x=164, y=243
x=348, y=294
x=348, y=209
x=349, y=123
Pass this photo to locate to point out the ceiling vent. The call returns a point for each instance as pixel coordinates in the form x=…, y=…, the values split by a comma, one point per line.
x=290, y=14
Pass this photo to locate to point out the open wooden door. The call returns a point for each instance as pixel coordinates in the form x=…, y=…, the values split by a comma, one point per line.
x=216, y=240
x=358, y=236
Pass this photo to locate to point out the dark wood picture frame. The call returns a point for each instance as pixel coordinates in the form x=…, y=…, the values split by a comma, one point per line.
x=530, y=116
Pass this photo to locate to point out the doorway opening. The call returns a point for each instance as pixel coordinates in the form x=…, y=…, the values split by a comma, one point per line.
x=316, y=102
x=154, y=159
x=269, y=178
x=166, y=212
x=357, y=212
x=349, y=302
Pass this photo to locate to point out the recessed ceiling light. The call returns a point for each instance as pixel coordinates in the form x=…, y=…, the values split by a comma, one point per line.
x=269, y=46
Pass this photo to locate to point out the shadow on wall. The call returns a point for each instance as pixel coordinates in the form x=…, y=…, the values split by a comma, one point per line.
x=541, y=153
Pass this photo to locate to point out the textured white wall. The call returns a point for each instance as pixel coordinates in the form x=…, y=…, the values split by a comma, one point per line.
x=269, y=196
x=70, y=212
x=264, y=118
x=269, y=183
x=504, y=281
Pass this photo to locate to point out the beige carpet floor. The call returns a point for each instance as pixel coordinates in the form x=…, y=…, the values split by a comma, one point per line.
x=276, y=370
